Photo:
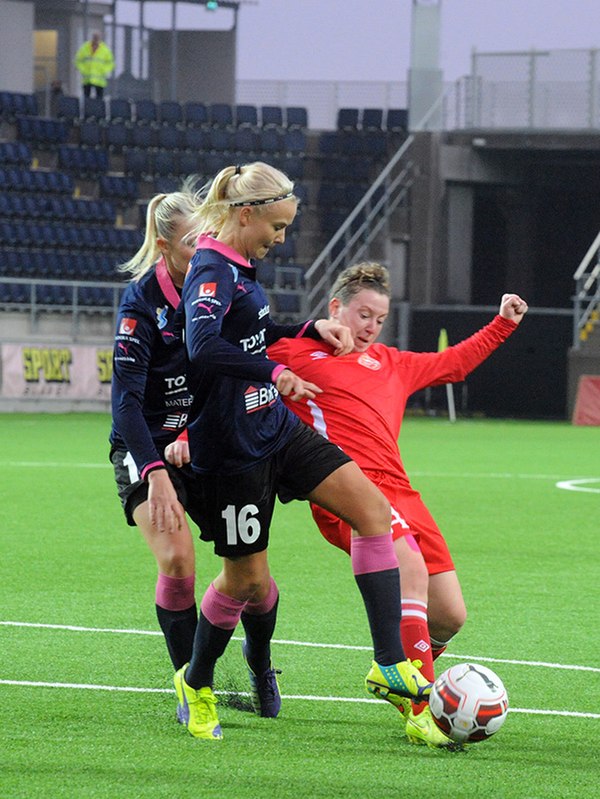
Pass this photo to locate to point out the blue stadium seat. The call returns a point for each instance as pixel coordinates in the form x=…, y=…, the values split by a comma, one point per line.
x=44, y=133
x=195, y=114
x=347, y=119
x=119, y=110
x=170, y=112
x=271, y=141
x=137, y=163
x=143, y=136
x=220, y=115
x=294, y=141
x=396, y=120
x=188, y=163
x=145, y=112
x=196, y=139
x=372, y=119
x=117, y=136
x=68, y=109
x=164, y=164
x=296, y=117
x=245, y=142
x=221, y=140
x=271, y=116
x=90, y=134
x=246, y=115
x=286, y=303
x=119, y=188
x=94, y=109
x=169, y=138
x=15, y=152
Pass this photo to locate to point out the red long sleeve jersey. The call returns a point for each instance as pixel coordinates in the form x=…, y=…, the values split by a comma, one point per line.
x=365, y=394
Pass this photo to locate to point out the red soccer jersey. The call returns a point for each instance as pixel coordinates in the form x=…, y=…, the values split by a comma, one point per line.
x=365, y=394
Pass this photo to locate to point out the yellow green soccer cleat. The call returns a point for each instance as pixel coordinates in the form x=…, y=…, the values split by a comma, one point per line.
x=398, y=682
x=422, y=729
x=196, y=709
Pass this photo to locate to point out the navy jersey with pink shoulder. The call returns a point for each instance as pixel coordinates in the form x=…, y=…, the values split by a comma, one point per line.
x=150, y=397
x=237, y=417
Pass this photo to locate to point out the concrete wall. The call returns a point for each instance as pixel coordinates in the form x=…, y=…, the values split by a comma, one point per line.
x=16, y=46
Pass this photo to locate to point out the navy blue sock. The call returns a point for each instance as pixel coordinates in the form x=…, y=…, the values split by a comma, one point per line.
x=259, y=631
x=381, y=595
x=209, y=644
x=179, y=628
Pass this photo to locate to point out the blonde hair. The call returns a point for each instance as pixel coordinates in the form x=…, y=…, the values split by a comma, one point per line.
x=164, y=213
x=364, y=275
x=257, y=184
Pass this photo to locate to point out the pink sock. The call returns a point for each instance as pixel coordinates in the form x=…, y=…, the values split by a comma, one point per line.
x=374, y=553
x=175, y=593
x=221, y=610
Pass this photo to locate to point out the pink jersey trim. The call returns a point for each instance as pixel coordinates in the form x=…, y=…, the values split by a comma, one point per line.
x=301, y=333
x=276, y=372
x=206, y=242
x=373, y=553
x=165, y=281
x=150, y=466
x=175, y=593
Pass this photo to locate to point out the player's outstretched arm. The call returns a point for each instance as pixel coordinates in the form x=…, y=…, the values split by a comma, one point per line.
x=513, y=307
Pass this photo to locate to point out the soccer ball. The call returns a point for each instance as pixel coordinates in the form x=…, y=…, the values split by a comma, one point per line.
x=468, y=702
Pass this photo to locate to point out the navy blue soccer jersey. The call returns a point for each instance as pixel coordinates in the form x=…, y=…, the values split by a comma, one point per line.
x=150, y=397
x=237, y=416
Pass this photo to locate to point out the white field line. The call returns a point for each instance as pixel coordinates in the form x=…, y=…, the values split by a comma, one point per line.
x=459, y=475
x=313, y=644
x=306, y=698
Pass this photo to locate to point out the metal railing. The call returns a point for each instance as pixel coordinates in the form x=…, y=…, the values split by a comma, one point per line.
x=587, y=294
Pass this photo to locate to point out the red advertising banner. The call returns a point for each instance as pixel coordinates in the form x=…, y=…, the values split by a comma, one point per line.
x=80, y=372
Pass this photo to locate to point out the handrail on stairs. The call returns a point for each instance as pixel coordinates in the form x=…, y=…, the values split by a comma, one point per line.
x=587, y=292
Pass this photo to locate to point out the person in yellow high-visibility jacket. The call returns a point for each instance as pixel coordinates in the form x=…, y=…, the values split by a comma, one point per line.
x=95, y=62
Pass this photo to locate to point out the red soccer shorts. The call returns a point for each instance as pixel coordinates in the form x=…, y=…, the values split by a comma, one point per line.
x=409, y=516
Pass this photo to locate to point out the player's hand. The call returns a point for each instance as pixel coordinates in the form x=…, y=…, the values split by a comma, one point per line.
x=290, y=385
x=336, y=334
x=166, y=511
x=177, y=453
x=513, y=307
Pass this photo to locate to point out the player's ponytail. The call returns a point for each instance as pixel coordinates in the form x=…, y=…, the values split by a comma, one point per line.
x=163, y=213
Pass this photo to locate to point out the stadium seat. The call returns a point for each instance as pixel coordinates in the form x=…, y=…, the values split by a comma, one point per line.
x=245, y=142
x=271, y=141
x=164, y=164
x=195, y=114
x=90, y=134
x=347, y=119
x=220, y=115
x=294, y=141
x=287, y=303
x=396, y=120
x=16, y=153
x=290, y=276
x=94, y=109
x=119, y=110
x=117, y=136
x=296, y=117
x=372, y=119
x=293, y=166
x=145, y=112
x=44, y=133
x=169, y=138
x=188, y=163
x=143, y=137
x=271, y=116
x=68, y=109
x=137, y=163
x=221, y=140
x=118, y=188
x=170, y=112
x=196, y=139
x=246, y=115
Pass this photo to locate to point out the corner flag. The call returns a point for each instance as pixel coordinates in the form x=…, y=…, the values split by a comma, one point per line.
x=442, y=345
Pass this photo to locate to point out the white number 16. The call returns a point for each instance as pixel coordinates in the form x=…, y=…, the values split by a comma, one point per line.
x=243, y=526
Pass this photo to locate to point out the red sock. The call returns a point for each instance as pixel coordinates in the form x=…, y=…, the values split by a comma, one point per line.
x=438, y=647
x=415, y=640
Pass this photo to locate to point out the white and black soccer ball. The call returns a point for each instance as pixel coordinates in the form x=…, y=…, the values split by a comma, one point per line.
x=468, y=702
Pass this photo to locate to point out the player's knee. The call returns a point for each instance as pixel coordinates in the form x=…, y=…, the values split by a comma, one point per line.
x=443, y=629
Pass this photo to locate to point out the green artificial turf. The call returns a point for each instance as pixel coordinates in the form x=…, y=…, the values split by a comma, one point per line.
x=526, y=552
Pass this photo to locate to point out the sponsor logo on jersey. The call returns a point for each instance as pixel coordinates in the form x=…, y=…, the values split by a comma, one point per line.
x=257, y=399
x=175, y=421
x=161, y=317
x=317, y=355
x=207, y=290
x=263, y=311
x=255, y=343
x=370, y=363
x=127, y=326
